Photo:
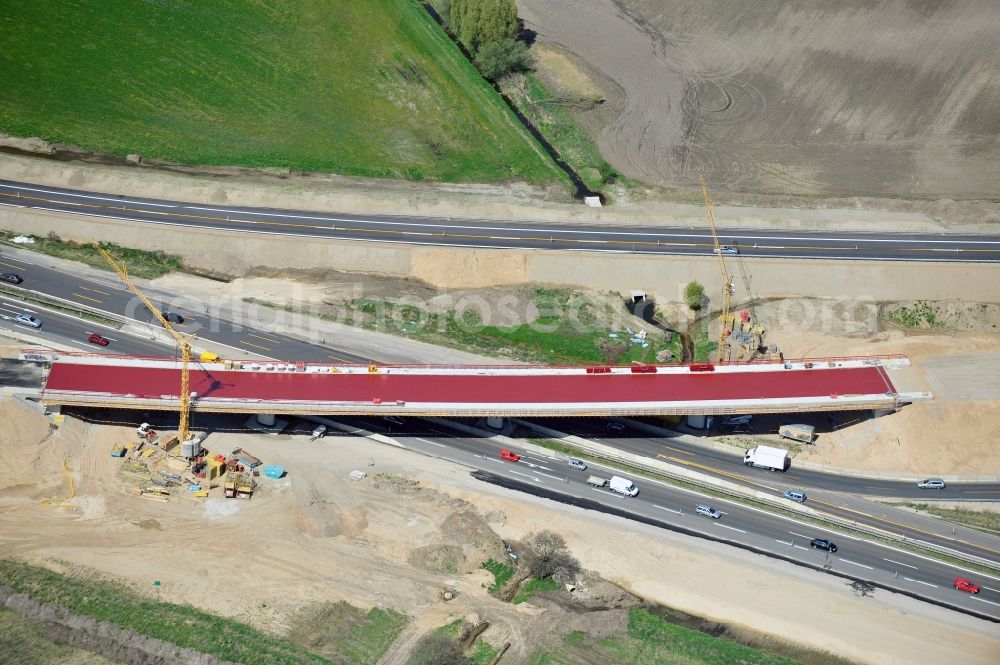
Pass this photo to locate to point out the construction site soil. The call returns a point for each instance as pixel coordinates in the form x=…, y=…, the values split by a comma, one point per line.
x=316, y=536
x=875, y=99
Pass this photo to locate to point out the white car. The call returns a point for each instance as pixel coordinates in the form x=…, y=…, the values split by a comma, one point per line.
x=319, y=432
x=931, y=484
x=726, y=249
x=27, y=320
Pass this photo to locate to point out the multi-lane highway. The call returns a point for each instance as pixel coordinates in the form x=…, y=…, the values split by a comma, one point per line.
x=70, y=331
x=673, y=508
x=729, y=465
x=108, y=295
x=457, y=232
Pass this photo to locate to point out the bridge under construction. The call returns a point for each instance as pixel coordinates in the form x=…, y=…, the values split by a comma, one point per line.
x=227, y=386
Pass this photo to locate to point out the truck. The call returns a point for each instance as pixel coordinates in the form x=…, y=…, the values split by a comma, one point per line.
x=597, y=481
x=622, y=486
x=803, y=433
x=766, y=457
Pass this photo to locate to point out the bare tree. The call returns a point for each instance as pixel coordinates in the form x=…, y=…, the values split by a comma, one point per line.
x=548, y=556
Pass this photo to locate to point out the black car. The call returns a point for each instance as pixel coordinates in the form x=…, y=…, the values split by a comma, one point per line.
x=11, y=277
x=173, y=318
x=823, y=544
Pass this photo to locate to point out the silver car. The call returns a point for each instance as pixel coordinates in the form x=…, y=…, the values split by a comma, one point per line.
x=727, y=249
x=707, y=511
x=27, y=320
x=578, y=464
x=931, y=484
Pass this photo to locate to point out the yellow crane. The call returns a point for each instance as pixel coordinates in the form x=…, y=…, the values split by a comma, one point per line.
x=183, y=342
x=725, y=318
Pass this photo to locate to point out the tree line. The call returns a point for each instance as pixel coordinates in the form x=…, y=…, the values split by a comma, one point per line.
x=488, y=29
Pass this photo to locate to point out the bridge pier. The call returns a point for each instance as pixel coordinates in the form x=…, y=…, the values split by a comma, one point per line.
x=266, y=419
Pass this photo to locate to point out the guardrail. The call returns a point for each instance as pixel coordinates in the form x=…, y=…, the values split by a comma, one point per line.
x=154, y=333
x=674, y=472
x=812, y=466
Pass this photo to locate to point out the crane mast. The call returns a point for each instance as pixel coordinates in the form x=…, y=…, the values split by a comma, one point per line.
x=727, y=279
x=184, y=414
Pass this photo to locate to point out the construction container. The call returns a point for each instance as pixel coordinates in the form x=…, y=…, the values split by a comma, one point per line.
x=118, y=451
x=246, y=458
x=191, y=447
x=274, y=471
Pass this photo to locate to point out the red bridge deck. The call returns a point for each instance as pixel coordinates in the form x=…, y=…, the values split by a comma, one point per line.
x=455, y=391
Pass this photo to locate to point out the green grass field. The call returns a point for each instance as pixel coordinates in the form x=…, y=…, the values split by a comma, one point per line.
x=25, y=643
x=182, y=625
x=653, y=641
x=370, y=88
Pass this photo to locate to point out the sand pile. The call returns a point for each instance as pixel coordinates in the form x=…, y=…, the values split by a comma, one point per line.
x=26, y=449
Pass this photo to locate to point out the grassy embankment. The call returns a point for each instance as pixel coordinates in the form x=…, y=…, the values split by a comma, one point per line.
x=988, y=521
x=140, y=262
x=571, y=328
x=357, y=88
x=361, y=638
x=651, y=640
x=556, y=123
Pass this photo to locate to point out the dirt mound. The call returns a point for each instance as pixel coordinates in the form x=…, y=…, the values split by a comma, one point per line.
x=468, y=541
x=23, y=450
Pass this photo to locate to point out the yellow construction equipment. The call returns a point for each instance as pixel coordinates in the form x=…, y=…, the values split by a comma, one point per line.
x=725, y=318
x=183, y=342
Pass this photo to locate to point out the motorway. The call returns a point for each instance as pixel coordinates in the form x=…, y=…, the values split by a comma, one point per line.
x=672, y=508
x=841, y=496
x=67, y=330
x=456, y=232
x=111, y=296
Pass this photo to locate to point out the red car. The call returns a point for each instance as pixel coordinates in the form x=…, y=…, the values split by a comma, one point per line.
x=100, y=340
x=509, y=455
x=968, y=586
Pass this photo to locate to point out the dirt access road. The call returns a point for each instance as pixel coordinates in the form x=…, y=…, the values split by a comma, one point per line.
x=811, y=98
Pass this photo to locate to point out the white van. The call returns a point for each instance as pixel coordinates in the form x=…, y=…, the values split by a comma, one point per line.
x=622, y=486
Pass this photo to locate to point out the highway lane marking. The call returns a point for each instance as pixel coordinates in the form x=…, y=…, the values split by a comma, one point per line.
x=742, y=479
x=799, y=547
x=262, y=348
x=908, y=527
x=910, y=579
x=433, y=443
x=12, y=265
x=632, y=244
x=88, y=288
x=799, y=535
x=468, y=245
x=669, y=510
x=551, y=232
x=732, y=528
x=526, y=476
x=410, y=222
x=783, y=542
x=985, y=601
x=855, y=563
x=982, y=492
x=402, y=221
x=266, y=339
x=989, y=589
x=549, y=476
x=899, y=563
x=80, y=295
x=684, y=452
